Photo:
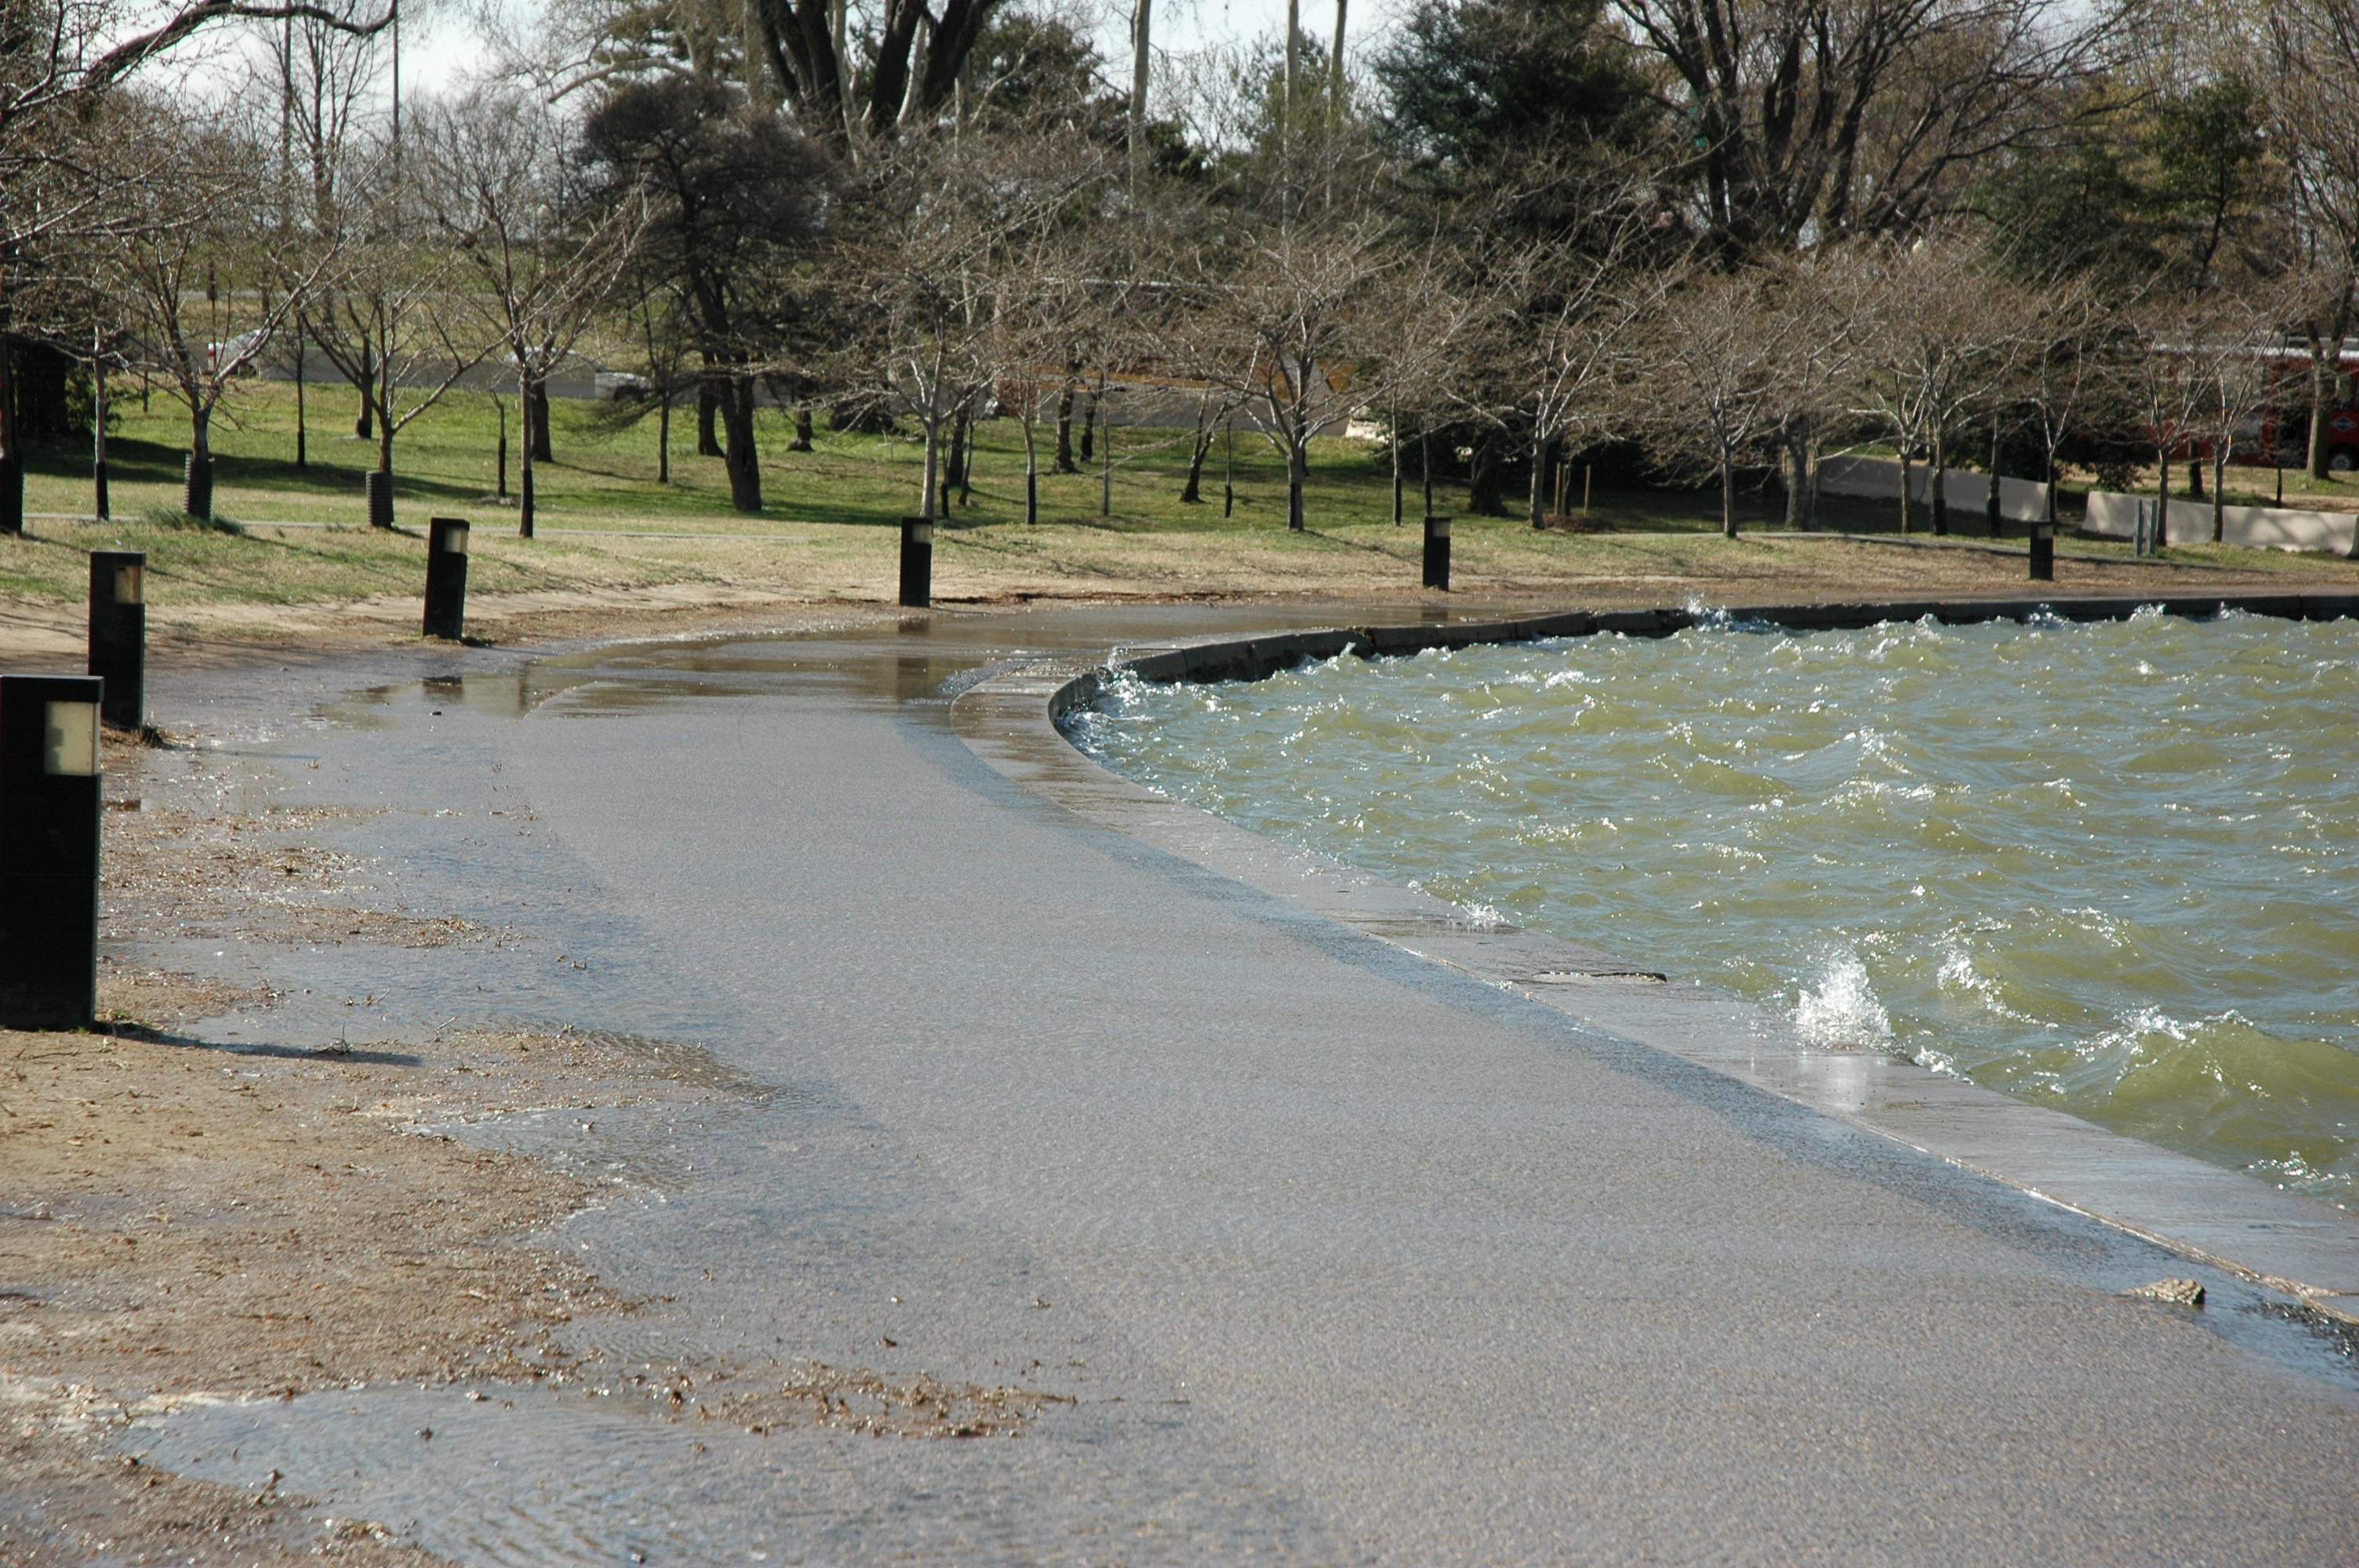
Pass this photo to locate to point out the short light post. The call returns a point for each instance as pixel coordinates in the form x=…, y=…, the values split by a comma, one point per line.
x=917, y=563
x=446, y=577
x=1437, y=552
x=48, y=850
x=2043, y=552
x=119, y=634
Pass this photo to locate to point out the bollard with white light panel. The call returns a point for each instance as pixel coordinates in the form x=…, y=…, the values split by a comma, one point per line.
x=119, y=634
x=917, y=563
x=446, y=577
x=1437, y=553
x=48, y=850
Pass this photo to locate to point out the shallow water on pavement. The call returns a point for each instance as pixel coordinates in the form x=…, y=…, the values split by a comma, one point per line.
x=2113, y=868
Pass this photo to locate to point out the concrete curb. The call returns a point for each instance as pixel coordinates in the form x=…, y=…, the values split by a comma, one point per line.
x=2300, y=1249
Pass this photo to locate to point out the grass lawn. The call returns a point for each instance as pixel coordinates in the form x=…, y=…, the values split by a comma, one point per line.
x=827, y=531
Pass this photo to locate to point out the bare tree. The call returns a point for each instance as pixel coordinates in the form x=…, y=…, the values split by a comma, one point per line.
x=59, y=59
x=1040, y=304
x=1824, y=119
x=1940, y=335
x=543, y=261
x=915, y=53
x=1713, y=374
x=735, y=199
x=2068, y=368
x=2164, y=381
x=1814, y=320
x=1296, y=320
x=1563, y=339
x=387, y=314
x=2232, y=358
x=186, y=233
x=943, y=238
x=2312, y=49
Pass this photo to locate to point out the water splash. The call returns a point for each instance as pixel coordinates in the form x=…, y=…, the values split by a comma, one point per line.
x=1841, y=1012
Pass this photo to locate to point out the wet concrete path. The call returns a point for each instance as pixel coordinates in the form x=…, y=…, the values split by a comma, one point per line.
x=1344, y=1257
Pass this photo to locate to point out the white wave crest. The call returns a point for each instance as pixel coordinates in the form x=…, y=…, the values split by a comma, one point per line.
x=1843, y=1010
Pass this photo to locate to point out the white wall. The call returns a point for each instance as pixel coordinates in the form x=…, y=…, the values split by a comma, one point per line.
x=2256, y=528
x=1879, y=479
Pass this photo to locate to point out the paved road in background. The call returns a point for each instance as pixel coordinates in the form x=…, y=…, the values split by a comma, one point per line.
x=1344, y=1257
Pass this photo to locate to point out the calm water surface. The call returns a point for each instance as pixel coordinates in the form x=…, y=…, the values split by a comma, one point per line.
x=2114, y=869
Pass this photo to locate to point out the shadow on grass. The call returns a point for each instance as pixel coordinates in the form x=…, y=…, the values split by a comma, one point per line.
x=131, y=462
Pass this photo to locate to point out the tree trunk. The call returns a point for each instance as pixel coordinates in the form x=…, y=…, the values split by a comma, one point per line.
x=1727, y=493
x=707, y=409
x=2194, y=473
x=101, y=505
x=2162, y=501
x=1089, y=431
x=1905, y=507
x=802, y=441
x=1031, y=470
x=954, y=469
x=1801, y=496
x=302, y=457
x=1940, y=487
x=2325, y=360
x=2219, y=499
x=1298, y=470
x=745, y=467
x=537, y=418
x=362, y=426
x=533, y=394
x=934, y=428
x=663, y=438
x=1995, y=517
x=1191, y=494
x=1539, y=477
x=1425, y=467
x=385, y=416
x=1486, y=488
x=1065, y=463
x=1396, y=469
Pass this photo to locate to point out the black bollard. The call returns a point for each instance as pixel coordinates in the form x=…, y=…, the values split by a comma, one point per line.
x=378, y=486
x=196, y=487
x=2043, y=552
x=119, y=634
x=48, y=850
x=917, y=563
x=12, y=496
x=446, y=577
x=1437, y=553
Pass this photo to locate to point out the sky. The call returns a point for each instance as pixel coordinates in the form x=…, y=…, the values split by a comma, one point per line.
x=441, y=51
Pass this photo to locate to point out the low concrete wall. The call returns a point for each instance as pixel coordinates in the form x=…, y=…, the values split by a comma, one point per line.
x=2023, y=500
x=2256, y=527
x=1251, y=658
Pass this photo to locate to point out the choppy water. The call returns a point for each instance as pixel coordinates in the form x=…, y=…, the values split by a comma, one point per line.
x=2114, y=869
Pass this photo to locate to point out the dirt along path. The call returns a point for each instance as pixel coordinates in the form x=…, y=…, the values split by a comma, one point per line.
x=191, y=1213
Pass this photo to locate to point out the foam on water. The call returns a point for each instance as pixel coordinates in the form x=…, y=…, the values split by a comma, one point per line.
x=2111, y=867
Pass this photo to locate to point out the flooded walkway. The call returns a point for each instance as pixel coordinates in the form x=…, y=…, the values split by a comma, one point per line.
x=1338, y=1255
